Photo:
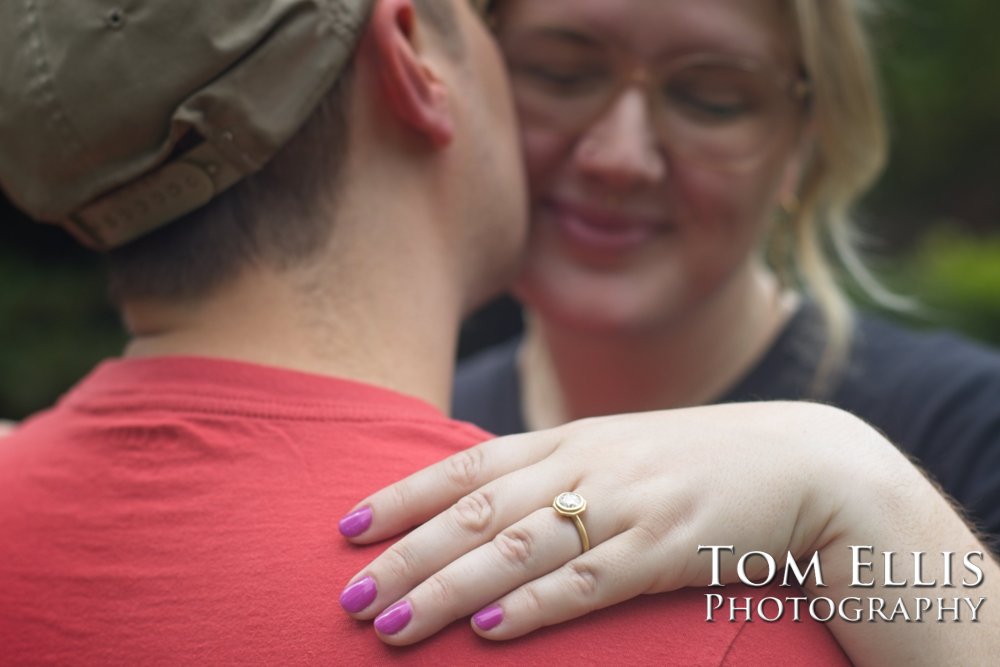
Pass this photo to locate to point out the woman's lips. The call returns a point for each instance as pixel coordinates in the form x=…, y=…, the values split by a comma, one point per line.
x=603, y=231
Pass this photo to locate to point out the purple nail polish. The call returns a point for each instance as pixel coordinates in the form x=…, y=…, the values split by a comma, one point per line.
x=356, y=522
x=488, y=618
x=395, y=618
x=358, y=595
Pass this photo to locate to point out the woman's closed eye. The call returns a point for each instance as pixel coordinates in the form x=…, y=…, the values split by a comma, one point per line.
x=563, y=80
x=716, y=94
x=708, y=106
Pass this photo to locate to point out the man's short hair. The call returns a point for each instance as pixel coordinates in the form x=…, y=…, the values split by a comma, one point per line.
x=277, y=217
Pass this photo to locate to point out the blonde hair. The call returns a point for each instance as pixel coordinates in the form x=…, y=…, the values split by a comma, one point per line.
x=849, y=153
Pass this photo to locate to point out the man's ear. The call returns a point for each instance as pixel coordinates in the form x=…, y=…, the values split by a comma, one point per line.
x=415, y=93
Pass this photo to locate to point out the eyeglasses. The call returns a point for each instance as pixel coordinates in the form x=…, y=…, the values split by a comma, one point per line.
x=711, y=108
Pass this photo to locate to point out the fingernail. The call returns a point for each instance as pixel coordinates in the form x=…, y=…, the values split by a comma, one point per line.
x=356, y=522
x=395, y=618
x=488, y=618
x=358, y=595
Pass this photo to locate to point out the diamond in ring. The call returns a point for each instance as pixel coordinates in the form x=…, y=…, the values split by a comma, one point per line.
x=570, y=503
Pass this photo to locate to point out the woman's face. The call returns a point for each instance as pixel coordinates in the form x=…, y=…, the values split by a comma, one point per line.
x=659, y=135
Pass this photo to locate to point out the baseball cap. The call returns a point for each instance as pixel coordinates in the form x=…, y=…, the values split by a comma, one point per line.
x=119, y=116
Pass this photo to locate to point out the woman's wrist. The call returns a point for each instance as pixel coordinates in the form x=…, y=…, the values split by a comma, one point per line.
x=903, y=576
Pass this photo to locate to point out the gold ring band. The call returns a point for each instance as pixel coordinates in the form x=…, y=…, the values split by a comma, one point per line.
x=572, y=505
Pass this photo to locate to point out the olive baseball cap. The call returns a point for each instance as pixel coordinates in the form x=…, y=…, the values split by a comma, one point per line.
x=118, y=116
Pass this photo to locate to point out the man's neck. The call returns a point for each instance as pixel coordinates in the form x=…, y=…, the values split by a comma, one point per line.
x=360, y=316
x=567, y=374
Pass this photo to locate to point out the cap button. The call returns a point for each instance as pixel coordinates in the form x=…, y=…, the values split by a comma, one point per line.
x=115, y=19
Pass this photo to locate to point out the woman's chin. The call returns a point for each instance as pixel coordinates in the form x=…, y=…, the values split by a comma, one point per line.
x=588, y=308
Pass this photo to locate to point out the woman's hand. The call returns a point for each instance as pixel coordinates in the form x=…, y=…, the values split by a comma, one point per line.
x=777, y=478
x=6, y=427
x=658, y=485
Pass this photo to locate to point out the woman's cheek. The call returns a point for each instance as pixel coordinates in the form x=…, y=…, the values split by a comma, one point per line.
x=728, y=211
x=702, y=197
x=543, y=152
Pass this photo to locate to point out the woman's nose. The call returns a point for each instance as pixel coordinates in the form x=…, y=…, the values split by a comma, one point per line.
x=621, y=148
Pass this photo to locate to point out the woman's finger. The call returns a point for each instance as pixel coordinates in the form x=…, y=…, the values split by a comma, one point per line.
x=471, y=522
x=540, y=543
x=530, y=548
x=614, y=571
x=420, y=496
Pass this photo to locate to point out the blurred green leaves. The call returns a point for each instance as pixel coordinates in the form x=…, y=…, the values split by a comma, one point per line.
x=55, y=324
x=939, y=62
x=955, y=281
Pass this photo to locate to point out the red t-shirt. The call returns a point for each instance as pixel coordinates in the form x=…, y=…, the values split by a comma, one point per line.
x=183, y=511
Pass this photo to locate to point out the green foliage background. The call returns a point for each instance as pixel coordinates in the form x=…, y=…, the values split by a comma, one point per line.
x=936, y=213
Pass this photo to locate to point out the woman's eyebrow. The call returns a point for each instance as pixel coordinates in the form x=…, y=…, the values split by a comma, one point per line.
x=563, y=35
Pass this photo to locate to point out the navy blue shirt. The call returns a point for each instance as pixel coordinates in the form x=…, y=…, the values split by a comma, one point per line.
x=934, y=394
